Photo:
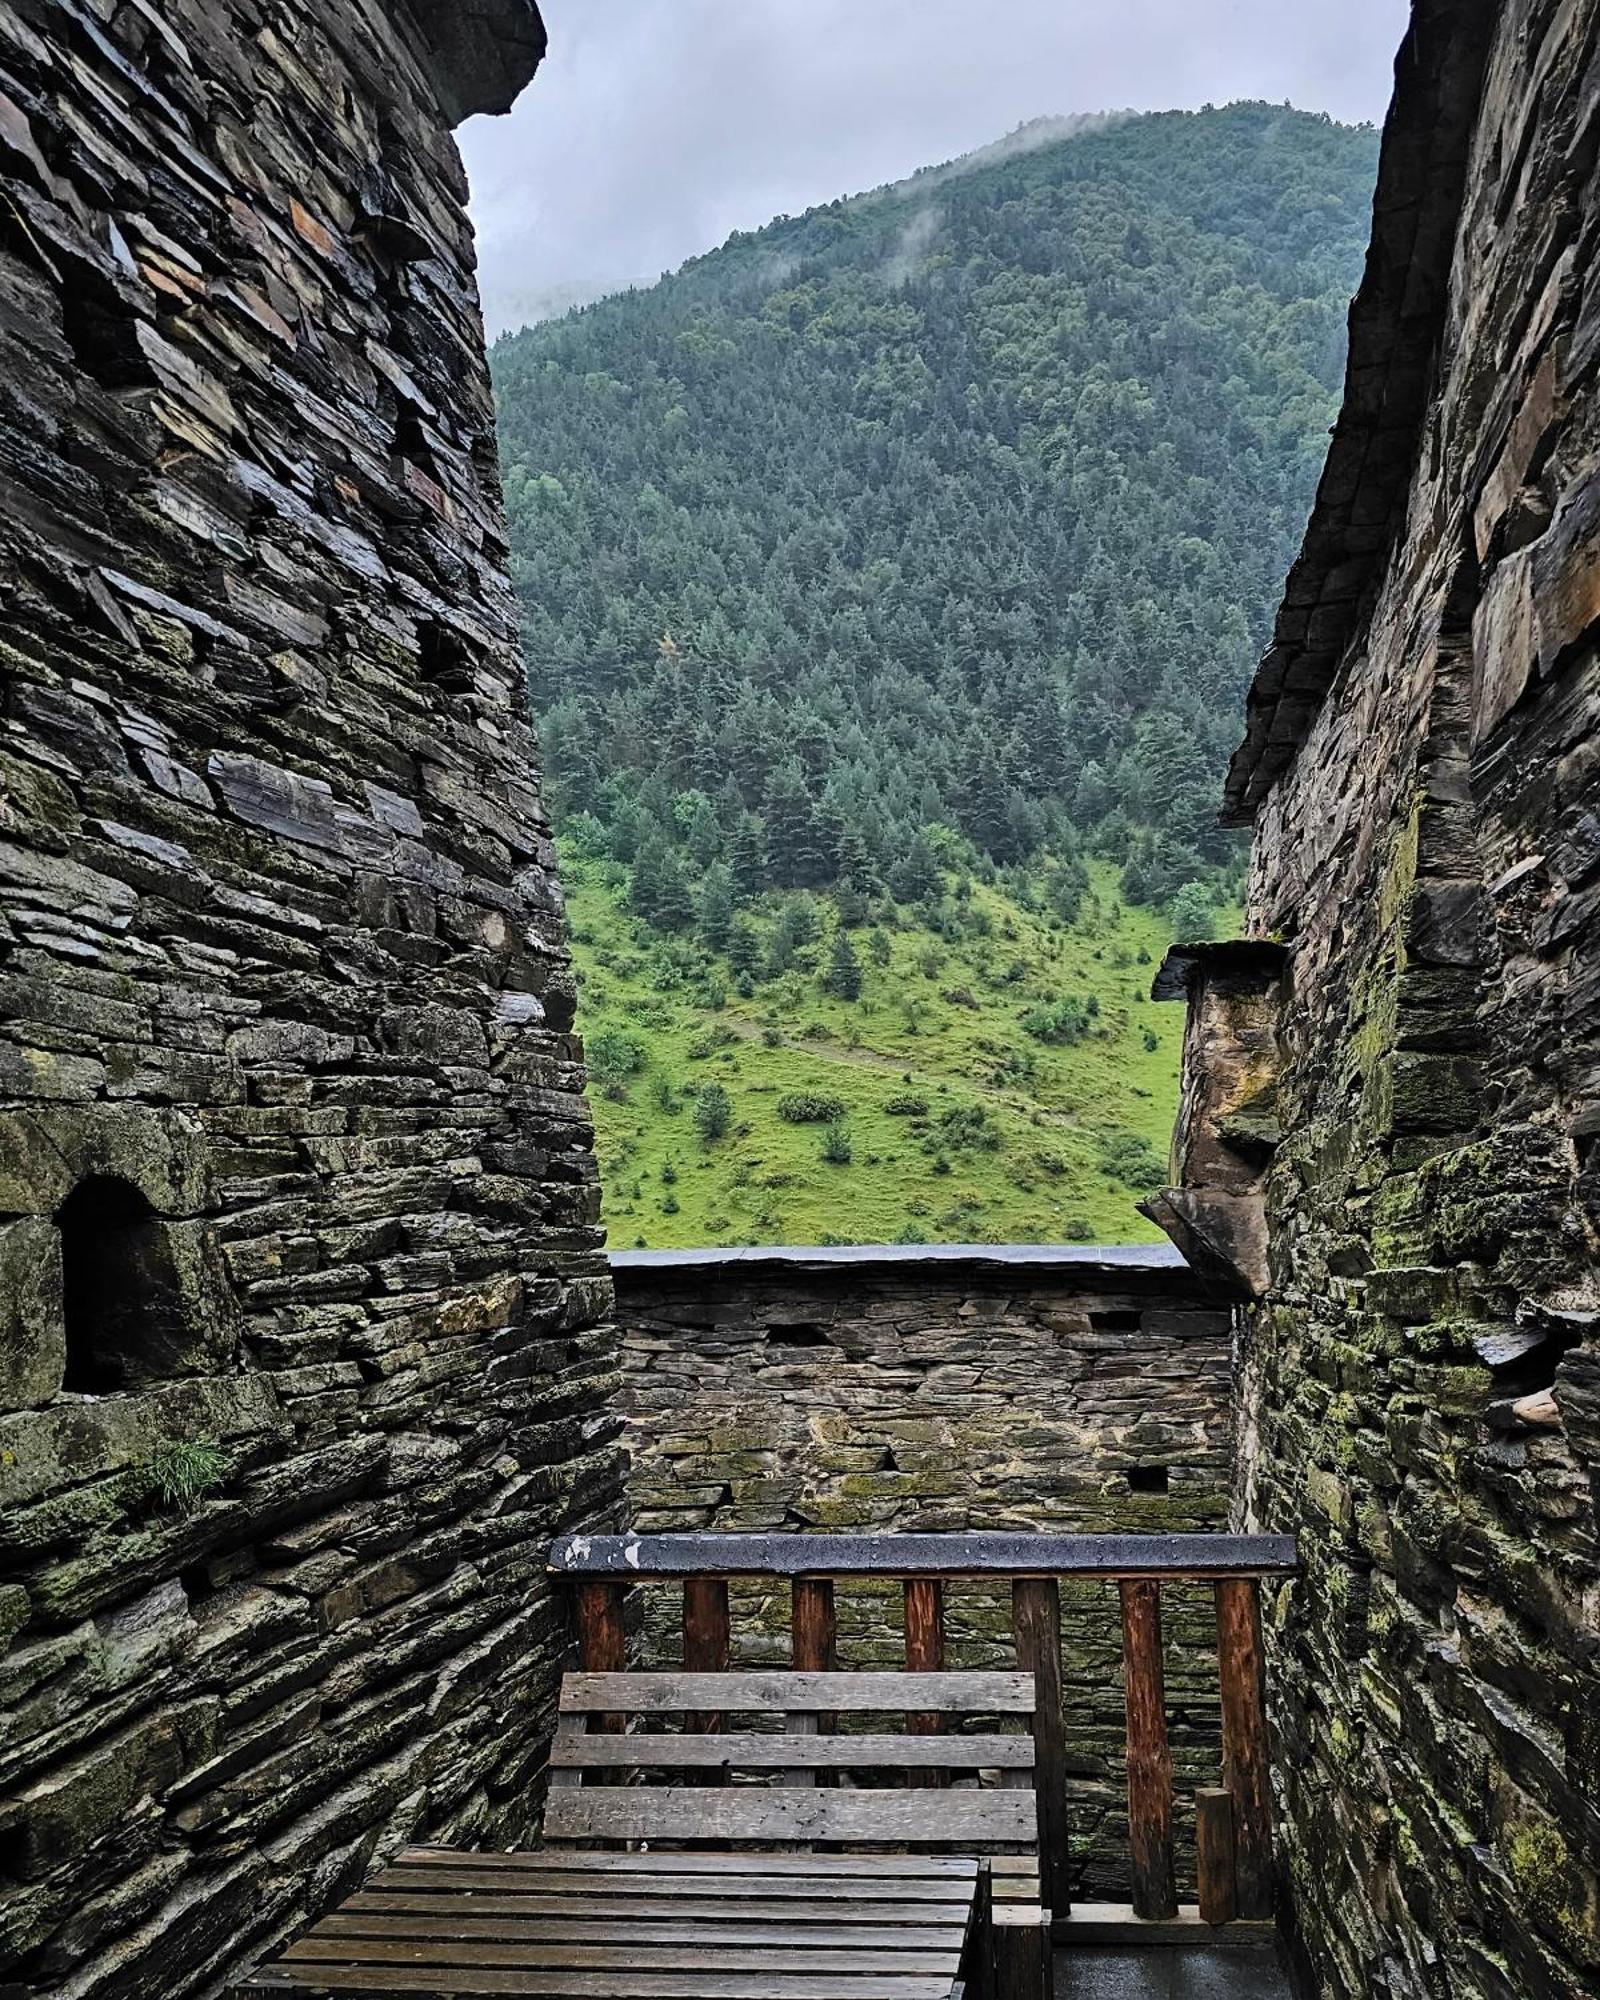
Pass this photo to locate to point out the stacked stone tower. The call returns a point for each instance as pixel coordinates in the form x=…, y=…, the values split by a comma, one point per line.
x=302, y=1349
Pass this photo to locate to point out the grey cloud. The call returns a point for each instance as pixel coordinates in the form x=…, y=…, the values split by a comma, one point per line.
x=657, y=127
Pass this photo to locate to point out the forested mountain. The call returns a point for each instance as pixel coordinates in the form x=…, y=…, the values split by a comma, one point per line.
x=961, y=503
x=927, y=540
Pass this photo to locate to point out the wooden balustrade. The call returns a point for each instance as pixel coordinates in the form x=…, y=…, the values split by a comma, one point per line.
x=1233, y=1824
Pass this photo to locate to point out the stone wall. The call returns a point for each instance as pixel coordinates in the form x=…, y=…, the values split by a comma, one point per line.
x=880, y=1391
x=1422, y=1377
x=301, y=1354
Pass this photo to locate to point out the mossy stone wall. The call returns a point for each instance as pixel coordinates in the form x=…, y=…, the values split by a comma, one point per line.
x=1421, y=1382
x=878, y=1392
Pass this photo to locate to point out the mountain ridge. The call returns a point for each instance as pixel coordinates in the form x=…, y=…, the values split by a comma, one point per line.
x=906, y=561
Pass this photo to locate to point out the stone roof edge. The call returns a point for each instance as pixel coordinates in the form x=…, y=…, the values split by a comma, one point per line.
x=1396, y=319
x=1248, y=962
x=480, y=53
x=1157, y=1259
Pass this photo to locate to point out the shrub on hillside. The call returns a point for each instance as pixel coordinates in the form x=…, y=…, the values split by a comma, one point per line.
x=806, y=1107
x=967, y=1128
x=713, y=1114
x=836, y=1148
x=1061, y=1021
x=613, y=1056
x=907, y=1105
x=1125, y=1157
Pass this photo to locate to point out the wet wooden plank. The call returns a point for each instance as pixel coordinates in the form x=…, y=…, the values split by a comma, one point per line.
x=633, y=1903
x=852, y=1865
x=557, y=1985
x=775, y=1692
x=641, y=1953
x=790, y=1813
x=755, y=1927
x=948, y=1556
x=750, y=1750
x=733, y=1879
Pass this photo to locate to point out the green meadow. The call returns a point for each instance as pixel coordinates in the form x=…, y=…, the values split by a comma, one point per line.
x=1002, y=1076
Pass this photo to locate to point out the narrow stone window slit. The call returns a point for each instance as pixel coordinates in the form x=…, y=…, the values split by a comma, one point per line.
x=444, y=657
x=120, y=1295
x=797, y=1336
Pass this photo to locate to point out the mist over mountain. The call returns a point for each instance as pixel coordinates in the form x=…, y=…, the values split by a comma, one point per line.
x=925, y=543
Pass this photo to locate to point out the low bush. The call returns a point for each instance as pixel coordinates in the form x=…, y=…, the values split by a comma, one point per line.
x=1125, y=1157
x=836, y=1148
x=613, y=1056
x=1060, y=1022
x=808, y=1107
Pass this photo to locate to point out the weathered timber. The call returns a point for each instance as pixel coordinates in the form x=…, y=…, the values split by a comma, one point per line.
x=1036, y=1630
x=951, y=1557
x=1149, y=1759
x=706, y=1641
x=1245, y=1751
x=753, y=1752
x=636, y=1812
x=758, y=1691
x=601, y=1618
x=924, y=1628
x=1215, y=1872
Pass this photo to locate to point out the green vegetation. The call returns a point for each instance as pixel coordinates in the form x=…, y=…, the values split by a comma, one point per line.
x=890, y=581
x=178, y=1475
x=907, y=1115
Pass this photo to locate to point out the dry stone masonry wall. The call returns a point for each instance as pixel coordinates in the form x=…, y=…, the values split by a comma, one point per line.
x=1421, y=1379
x=302, y=1342
x=877, y=1391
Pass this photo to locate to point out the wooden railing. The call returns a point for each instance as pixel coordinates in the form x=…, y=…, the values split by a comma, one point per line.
x=1233, y=1825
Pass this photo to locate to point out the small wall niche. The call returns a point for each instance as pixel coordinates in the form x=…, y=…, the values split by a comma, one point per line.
x=444, y=658
x=1149, y=1479
x=122, y=1290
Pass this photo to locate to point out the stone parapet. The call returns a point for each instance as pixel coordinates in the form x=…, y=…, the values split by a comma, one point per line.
x=877, y=1391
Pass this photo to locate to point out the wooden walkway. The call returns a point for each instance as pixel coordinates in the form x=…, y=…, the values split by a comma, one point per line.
x=588, y=1926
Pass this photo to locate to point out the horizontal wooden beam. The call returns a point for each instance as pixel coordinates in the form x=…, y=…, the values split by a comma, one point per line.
x=781, y=1691
x=751, y=1750
x=1115, y=1924
x=737, y=1813
x=1110, y=1557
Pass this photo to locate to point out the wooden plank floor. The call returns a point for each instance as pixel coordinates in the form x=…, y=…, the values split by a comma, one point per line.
x=694, y=1926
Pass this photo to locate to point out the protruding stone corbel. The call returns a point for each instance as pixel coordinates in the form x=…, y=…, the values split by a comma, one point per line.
x=1223, y=1237
x=1228, y=1118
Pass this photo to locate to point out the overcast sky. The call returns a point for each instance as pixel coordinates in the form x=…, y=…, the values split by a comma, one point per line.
x=657, y=127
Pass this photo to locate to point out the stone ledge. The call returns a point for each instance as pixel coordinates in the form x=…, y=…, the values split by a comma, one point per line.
x=481, y=52
x=1080, y=1259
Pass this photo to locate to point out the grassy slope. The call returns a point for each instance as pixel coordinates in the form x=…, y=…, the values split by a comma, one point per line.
x=766, y=1181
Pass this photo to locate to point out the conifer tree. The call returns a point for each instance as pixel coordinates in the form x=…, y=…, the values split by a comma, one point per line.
x=715, y=905
x=843, y=978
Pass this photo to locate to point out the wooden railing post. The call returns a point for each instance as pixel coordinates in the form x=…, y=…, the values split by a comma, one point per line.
x=1244, y=1740
x=813, y=1634
x=924, y=1623
x=1155, y=1892
x=813, y=1648
x=598, y=1609
x=707, y=1646
x=1215, y=1876
x=1036, y=1624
